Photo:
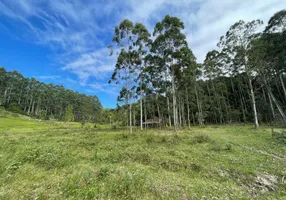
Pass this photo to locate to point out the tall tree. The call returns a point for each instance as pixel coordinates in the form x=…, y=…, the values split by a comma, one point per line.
x=141, y=49
x=124, y=39
x=236, y=43
x=169, y=45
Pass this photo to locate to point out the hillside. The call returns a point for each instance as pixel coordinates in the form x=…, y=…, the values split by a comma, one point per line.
x=215, y=162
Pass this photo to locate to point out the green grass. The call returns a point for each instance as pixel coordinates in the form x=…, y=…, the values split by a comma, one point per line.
x=9, y=121
x=87, y=164
x=227, y=162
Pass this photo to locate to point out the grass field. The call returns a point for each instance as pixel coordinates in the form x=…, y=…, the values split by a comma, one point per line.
x=228, y=162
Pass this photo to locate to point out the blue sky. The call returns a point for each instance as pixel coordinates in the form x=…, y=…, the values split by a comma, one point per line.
x=64, y=41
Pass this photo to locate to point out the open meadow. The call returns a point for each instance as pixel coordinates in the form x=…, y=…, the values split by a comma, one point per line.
x=145, y=99
x=43, y=161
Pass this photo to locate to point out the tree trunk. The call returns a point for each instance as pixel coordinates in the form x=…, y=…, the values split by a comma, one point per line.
x=242, y=104
x=218, y=104
x=183, y=114
x=33, y=108
x=200, y=113
x=189, y=122
x=145, y=112
x=179, y=112
x=188, y=110
x=130, y=117
x=134, y=119
x=274, y=99
x=283, y=86
x=174, y=101
x=277, y=104
x=169, y=116
x=271, y=106
x=158, y=108
x=253, y=103
x=5, y=95
x=141, y=106
x=30, y=105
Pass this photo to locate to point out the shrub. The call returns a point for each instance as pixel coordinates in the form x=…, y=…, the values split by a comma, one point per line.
x=201, y=139
x=102, y=173
x=172, y=165
x=143, y=158
x=228, y=147
x=43, y=114
x=149, y=139
x=279, y=136
x=14, y=107
x=216, y=147
x=195, y=167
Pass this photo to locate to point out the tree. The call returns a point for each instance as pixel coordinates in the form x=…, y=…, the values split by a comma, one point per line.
x=169, y=46
x=69, y=116
x=236, y=44
x=141, y=49
x=125, y=65
x=276, y=29
x=267, y=56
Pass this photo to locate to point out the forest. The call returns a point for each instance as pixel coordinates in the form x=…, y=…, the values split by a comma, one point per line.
x=34, y=98
x=242, y=81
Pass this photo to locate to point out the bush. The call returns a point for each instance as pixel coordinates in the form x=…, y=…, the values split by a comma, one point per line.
x=201, y=139
x=279, y=136
x=195, y=167
x=14, y=107
x=43, y=114
x=172, y=165
x=143, y=158
x=228, y=147
x=150, y=139
x=171, y=140
x=216, y=147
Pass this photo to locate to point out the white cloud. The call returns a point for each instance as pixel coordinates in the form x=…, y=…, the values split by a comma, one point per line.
x=97, y=64
x=48, y=77
x=104, y=87
x=205, y=20
x=79, y=31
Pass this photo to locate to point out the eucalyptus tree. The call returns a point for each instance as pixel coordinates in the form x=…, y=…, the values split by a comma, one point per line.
x=267, y=56
x=276, y=28
x=124, y=39
x=262, y=58
x=168, y=46
x=132, y=45
x=236, y=43
x=141, y=50
x=212, y=70
x=34, y=98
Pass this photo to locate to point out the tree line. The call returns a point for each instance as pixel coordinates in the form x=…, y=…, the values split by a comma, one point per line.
x=241, y=81
x=34, y=98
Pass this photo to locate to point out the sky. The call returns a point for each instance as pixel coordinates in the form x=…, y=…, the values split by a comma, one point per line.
x=65, y=41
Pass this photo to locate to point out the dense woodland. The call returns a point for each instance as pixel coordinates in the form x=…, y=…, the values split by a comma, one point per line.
x=46, y=101
x=242, y=81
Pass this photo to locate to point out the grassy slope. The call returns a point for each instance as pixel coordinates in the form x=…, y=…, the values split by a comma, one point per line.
x=200, y=163
x=9, y=121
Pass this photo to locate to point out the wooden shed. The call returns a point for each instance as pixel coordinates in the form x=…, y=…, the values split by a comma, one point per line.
x=152, y=122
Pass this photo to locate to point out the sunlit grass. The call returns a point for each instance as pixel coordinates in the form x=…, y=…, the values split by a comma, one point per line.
x=97, y=163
